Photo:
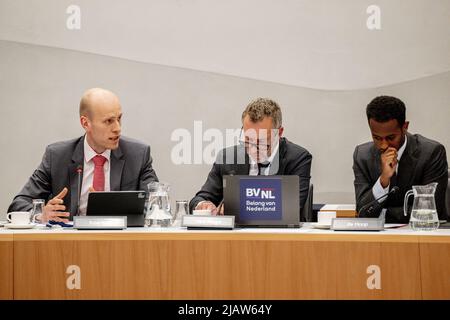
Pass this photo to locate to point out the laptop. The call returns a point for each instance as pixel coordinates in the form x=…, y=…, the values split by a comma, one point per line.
x=262, y=201
x=118, y=203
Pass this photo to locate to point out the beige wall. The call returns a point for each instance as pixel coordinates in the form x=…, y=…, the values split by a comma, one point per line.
x=322, y=44
x=326, y=67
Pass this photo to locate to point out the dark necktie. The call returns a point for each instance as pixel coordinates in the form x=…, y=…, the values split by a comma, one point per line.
x=262, y=167
x=393, y=182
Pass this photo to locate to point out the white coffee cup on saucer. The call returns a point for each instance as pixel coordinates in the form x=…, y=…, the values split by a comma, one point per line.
x=19, y=218
x=205, y=212
x=325, y=217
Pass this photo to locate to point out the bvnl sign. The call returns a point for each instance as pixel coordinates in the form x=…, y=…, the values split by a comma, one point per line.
x=260, y=199
x=263, y=193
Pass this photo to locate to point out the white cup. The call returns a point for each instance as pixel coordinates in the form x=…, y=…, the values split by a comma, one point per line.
x=325, y=217
x=205, y=212
x=19, y=217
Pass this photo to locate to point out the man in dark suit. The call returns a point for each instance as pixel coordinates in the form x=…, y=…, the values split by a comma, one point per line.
x=102, y=159
x=262, y=151
x=396, y=158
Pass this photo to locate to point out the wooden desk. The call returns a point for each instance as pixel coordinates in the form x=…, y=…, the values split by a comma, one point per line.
x=434, y=265
x=229, y=265
x=6, y=266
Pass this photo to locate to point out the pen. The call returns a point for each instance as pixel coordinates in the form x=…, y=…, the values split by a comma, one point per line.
x=219, y=207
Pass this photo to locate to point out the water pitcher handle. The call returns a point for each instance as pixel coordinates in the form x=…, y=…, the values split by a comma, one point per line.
x=405, y=203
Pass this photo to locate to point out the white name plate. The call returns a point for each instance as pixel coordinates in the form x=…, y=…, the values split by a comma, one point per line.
x=357, y=224
x=208, y=222
x=99, y=222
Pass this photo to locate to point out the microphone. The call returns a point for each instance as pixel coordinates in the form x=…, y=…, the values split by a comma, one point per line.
x=371, y=205
x=79, y=172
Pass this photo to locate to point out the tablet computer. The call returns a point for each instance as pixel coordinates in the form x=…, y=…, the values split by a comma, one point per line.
x=118, y=203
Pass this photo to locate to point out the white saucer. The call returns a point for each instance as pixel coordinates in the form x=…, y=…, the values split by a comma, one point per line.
x=19, y=226
x=320, y=226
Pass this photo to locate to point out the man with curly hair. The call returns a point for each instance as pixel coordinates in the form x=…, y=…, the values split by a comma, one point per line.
x=396, y=158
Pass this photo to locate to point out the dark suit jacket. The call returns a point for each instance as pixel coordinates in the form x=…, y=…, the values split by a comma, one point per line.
x=131, y=169
x=423, y=161
x=292, y=160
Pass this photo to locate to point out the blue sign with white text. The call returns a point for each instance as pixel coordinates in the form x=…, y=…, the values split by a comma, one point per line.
x=260, y=199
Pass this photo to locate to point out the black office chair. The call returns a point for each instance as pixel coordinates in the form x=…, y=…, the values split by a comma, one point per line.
x=447, y=202
x=306, y=214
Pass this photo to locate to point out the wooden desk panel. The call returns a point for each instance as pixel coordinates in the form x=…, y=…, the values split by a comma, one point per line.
x=6, y=266
x=435, y=266
x=216, y=266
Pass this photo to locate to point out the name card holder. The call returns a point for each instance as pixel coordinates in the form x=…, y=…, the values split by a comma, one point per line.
x=100, y=222
x=357, y=224
x=195, y=222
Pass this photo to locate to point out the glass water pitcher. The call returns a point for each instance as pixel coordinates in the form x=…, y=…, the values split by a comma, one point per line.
x=158, y=208
x=423, y=214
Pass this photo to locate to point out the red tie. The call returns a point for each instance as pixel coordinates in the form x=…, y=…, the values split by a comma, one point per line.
x=99, y=174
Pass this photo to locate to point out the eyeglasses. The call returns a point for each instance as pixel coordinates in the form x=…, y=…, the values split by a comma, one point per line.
x=260, y=146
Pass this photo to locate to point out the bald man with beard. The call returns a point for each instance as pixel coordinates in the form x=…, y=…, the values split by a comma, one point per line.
x=105, y=160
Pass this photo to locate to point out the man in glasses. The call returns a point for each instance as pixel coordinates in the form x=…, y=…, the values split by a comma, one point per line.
x=262, y=151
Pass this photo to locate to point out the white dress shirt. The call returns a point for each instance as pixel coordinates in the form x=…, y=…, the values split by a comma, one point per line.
x=378, y=190
x=88, y=174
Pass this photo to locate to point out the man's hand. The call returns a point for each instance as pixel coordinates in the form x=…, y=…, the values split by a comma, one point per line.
x=206, y=205
x=389, y=164
x=55, y=209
